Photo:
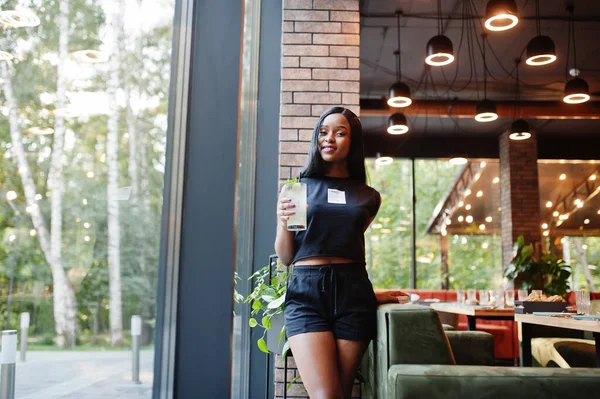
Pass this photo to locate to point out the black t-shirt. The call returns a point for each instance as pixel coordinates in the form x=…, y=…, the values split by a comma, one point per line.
x=339, y=209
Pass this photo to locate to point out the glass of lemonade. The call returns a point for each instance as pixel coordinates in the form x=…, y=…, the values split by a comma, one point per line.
x=296, y=192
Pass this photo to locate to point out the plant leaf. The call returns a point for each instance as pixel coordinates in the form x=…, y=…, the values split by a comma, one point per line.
x=289, y=385
x=281, y=335
x=285, y=350
x=266, y=322
x=277, y=302
x=262, y=345
x=252, y=322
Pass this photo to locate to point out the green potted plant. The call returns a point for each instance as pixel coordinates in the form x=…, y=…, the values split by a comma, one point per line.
x=267, y=300
x=544, y=271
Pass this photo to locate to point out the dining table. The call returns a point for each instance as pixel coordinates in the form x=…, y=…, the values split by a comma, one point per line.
x=474, y=312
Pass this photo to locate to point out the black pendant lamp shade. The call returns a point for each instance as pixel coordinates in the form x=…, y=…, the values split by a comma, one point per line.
x=501, y=15
x=577, y=91
x=540, y=51
x=519, y=130
x=439, y=51
x=397, y=124
x=486, y=111
x=399, y=95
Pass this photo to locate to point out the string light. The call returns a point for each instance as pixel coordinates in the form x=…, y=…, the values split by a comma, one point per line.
x=556, y=214
x=546, y=233
x=586, y=221
x=549, y=204
x=461, y=218
x=469, y=219
x=482, y=227
x=468, y=207
x=545, y=226
x=485, y=245
x=461, y=204
x=489, y=219
x=479, y=194
x=496, y=180
x=11, y=195
x=563, y=176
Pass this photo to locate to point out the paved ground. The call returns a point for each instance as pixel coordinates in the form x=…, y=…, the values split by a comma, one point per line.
x=83, y=375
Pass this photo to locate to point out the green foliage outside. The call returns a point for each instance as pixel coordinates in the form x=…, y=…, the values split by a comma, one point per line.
x=475, y=260
x=84, y=229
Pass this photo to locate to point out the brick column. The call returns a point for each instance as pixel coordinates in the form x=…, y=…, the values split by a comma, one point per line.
x=519, y=193
x=320, y=69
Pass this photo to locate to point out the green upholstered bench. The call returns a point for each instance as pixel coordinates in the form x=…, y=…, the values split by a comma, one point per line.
x=412, y=357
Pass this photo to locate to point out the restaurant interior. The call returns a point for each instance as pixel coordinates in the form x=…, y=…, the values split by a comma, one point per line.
x=508, y=96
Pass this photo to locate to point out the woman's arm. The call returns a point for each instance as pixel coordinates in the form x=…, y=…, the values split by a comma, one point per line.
x=373, y=218
x=284, y=241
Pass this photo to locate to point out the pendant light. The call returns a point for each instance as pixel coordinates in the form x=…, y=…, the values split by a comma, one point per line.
x=577, y=90
x=486, y=109
x=519, y=130
x=383, y=161
x=501, y=15
x=458, y=160
x=397, y=124
x=399, y=92
x=439, y=50
x=540, y=49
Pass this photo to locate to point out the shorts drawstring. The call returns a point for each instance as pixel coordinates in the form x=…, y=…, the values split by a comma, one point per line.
x=332, y=282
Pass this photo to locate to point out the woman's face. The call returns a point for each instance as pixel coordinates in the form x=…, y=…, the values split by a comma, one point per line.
x=334, y=138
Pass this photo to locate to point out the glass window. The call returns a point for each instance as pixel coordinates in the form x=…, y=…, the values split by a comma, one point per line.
x=387, y=240
x=471, y=243
x=85, y=88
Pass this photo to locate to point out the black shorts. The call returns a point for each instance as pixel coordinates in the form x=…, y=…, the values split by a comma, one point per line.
x=337, y=298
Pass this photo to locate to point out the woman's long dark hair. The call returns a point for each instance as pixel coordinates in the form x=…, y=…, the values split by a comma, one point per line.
x=316, y=166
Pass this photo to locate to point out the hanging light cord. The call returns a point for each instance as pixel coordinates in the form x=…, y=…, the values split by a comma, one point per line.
x=573, y=35
x=399, y=49
x=484, y=69
x=537, y=17
x=517, y=96
x=439, y=4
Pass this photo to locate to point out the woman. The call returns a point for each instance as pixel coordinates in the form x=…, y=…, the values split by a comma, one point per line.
x=330, y=307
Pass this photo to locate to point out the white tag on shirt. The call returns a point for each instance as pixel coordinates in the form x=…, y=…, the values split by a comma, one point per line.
x=336, y=196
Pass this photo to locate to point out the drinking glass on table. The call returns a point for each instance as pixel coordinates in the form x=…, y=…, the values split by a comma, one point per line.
x=460, y=296
x=471, y=297
x=582, y=301
x=509, y=298
x=497, y=298
x=484, y=297
x=522, y=295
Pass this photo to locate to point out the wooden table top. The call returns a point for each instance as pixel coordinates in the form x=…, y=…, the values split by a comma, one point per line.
x=472, y=310
x=564, y=322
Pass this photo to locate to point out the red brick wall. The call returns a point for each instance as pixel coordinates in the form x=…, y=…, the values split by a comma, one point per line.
x=320, y=69
x=519, y=193
x=296, y=390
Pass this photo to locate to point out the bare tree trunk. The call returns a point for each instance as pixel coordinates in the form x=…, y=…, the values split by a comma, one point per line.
x=567, y=258
x=584, y=263
x=65, y=322
x=133, y=95
x=112, y=149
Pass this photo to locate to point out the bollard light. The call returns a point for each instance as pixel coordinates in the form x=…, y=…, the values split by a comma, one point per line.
x=25, y=320
x=136, y=332
x=136, y=325
x=8, y=358
x=24, y=333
